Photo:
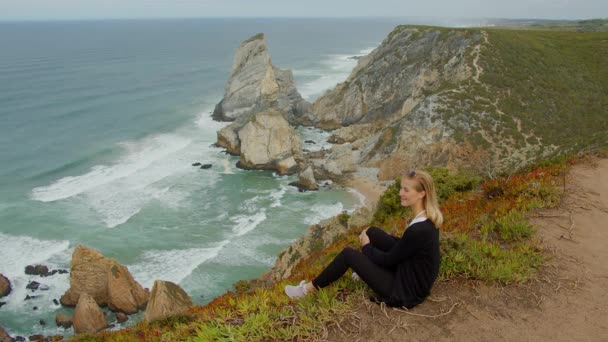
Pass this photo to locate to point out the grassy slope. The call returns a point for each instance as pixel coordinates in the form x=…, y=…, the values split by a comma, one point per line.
x=546, y=88
x=485, y=237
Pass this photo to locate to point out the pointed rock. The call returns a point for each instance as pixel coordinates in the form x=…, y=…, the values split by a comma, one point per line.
x=124, y=293
x=107, y=281
x=166, y=299
x=88, y=317
x=255, y=84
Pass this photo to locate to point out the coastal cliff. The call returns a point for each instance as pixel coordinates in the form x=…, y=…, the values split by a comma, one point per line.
x=457, y=97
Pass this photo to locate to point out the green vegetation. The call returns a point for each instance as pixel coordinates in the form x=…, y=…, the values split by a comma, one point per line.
x=538, y=87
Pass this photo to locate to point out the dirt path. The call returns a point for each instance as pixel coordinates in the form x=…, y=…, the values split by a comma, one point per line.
x=567, y=302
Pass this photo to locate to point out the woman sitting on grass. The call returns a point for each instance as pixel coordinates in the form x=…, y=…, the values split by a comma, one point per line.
x=400, y=270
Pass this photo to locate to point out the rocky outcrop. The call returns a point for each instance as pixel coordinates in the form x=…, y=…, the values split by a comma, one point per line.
x=306, y=180
x=256, y=85
x=166, y=299
x=5, y=286
x=88, y=317
x=390, y=81
x=39, y=270
x=339, y=162
x=264, y=141
x=317, y=237
x=355, y=134
x=392, y=101
x=107, y=281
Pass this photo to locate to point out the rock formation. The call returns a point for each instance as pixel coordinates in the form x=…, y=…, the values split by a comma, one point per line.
x=264, y=140
x=338, y=163
x=5, y=286
x=88, y=317
x=63, y=321
x=393, y=78
x=387, y=101
x=166, y=299
x=256, y=85
x=107, y=281
x=306, y=180
x=40, y=270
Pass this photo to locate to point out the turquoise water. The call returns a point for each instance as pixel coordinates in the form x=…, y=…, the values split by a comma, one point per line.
x=100, y=123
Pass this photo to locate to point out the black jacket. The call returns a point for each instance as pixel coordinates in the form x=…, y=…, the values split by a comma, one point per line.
x=416, y=259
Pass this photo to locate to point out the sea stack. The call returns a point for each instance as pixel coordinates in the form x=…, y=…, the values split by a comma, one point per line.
x=256, y=85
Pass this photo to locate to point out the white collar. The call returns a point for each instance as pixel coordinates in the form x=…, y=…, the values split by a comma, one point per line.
x=417, y=219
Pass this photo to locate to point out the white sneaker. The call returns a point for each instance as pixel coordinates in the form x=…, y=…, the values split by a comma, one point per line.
x=355, y=276
x=297, y=291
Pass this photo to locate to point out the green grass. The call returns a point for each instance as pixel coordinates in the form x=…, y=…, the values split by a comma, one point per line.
x=465, y=257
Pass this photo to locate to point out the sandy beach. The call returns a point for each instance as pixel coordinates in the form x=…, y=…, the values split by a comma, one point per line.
x=370, y=190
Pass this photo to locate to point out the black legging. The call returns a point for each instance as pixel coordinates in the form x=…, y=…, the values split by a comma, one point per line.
x=378, y=278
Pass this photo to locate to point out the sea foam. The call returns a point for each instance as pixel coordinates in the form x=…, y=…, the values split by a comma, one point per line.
x=320, y=212
x=118, y=192
x=139, y=156
x=246, y=223
x=17, y=252
x=172, y=265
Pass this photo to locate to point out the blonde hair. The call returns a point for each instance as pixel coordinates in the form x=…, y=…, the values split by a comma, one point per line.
x=424, y=182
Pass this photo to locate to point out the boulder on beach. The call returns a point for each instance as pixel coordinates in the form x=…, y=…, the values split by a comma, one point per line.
x=166, y=299
x=88, y=317
x=105, y=280
x=5, y=286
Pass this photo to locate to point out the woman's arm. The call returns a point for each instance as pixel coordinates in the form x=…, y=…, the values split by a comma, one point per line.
x=413, y=240
x=381, y=239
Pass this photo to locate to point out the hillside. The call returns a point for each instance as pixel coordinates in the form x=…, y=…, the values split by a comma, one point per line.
x=452, y=97
x=488, y=101
x=490, y=251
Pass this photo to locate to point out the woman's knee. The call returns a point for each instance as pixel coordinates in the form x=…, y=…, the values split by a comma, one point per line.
x=347, y=251
x=371, y=231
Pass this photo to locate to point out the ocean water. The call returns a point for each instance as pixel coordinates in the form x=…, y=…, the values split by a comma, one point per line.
x=100, y=122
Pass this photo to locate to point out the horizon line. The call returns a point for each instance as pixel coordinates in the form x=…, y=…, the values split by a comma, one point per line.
x=23, y=20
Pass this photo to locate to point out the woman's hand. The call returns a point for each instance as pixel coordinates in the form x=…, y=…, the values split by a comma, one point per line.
x=363, y=238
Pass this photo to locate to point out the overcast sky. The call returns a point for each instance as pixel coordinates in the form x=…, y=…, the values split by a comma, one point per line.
x=99, y=9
